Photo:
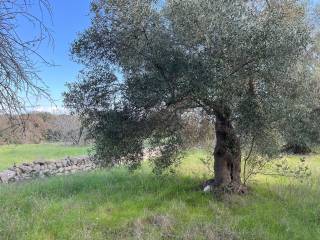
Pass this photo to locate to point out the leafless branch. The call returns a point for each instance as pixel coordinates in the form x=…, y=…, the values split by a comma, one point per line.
x=19, y=78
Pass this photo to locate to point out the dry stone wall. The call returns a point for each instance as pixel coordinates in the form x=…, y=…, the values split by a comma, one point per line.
x=40, y=169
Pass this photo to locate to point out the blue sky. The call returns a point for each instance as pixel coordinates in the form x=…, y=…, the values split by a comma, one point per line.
x=69, y=17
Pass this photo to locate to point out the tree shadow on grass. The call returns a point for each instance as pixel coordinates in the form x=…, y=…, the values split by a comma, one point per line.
x=119, y=199
x=115, y=186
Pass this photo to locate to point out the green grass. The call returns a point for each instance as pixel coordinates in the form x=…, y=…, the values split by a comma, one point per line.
x=15, y=154
x=117, y=204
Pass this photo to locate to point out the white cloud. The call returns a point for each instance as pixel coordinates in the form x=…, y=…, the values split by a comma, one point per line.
x=49, y=109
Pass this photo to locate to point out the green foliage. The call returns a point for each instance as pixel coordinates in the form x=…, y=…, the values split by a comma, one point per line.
x=114, y=139
x=117, y=204
x=148, y=63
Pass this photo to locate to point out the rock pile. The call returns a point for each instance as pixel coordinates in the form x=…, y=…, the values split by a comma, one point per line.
x=46, y=168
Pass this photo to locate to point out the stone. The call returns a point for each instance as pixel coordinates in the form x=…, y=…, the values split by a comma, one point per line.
x=40, y=169
x=25, y=168
x=58, y=164
x=7, y=176
x=39, y=162
x=18, y=171
x=207, y=188
x=52, y=166
x=37, y=167
x=74, y=167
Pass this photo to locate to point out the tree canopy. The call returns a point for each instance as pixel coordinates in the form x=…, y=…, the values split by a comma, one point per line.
x=146, y=62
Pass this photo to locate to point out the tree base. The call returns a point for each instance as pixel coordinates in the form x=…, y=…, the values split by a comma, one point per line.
x=232, y=188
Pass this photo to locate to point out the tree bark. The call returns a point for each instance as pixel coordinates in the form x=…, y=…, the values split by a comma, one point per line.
x=227, y=155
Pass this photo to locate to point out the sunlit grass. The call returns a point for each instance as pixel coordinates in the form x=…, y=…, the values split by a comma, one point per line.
x=15, y=154
x=117, y=204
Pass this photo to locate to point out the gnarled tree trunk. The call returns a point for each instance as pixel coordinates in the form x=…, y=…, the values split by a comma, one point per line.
x=227, y=155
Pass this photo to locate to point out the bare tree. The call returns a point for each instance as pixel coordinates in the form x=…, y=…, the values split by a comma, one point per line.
x=66, y=128
x=20, y=82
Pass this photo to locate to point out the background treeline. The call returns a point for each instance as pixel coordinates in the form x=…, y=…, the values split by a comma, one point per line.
x=37, y=127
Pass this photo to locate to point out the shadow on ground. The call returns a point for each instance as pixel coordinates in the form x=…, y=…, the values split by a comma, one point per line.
x=117, y=204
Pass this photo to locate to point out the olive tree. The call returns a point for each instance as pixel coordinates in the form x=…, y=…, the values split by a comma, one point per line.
x=147, y=62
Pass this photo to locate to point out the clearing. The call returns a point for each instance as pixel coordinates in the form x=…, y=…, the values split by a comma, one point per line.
x=116, y=204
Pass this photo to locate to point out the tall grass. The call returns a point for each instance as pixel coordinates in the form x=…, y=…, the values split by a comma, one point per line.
x=117, y=204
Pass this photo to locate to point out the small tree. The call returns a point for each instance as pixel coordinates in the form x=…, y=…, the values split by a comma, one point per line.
x=148, y=62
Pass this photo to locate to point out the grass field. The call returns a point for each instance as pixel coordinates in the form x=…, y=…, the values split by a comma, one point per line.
x=117, y=204
x=11, y=154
